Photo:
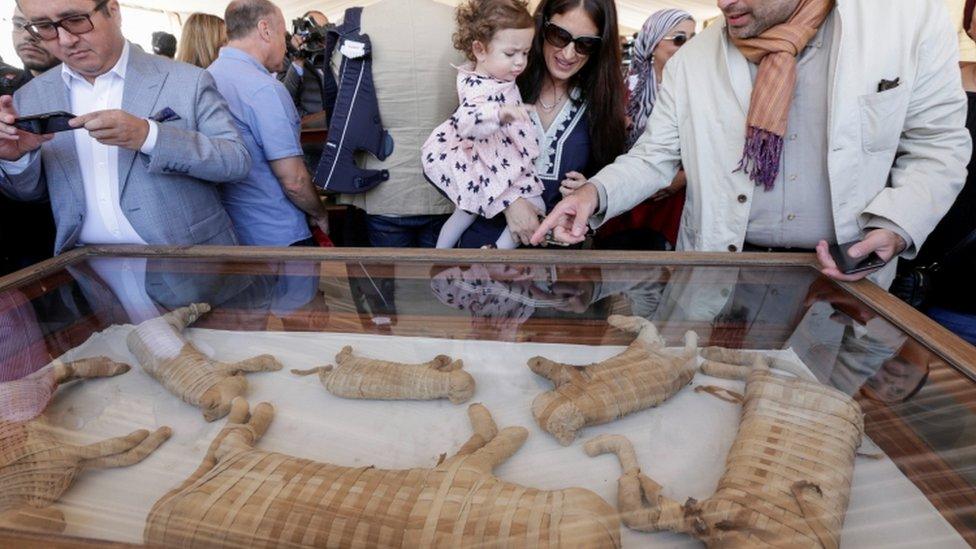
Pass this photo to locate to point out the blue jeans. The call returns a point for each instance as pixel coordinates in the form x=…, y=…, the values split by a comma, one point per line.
x=961, y=324
x=412, y=231
x=305, y=243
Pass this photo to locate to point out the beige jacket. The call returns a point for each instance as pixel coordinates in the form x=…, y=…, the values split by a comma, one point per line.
x=415, y=86
x=900, y=154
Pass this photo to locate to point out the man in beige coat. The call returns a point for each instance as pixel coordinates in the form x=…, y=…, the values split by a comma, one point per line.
x=874, y=146
x=415, y=88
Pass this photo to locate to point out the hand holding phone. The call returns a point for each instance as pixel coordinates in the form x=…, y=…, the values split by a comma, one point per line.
x=14, y=142
x=41, y=124
x=877, y=248
x=851, y=265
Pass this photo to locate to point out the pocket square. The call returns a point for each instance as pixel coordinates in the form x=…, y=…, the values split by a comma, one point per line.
x=886, y=85
x=165, y=115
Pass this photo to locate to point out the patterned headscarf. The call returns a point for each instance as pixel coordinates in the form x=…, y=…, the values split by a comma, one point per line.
x=641, y=78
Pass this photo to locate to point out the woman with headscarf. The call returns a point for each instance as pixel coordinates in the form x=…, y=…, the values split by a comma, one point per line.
x=663, y=33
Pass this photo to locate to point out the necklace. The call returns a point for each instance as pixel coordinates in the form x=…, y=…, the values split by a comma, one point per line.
x=556, y=100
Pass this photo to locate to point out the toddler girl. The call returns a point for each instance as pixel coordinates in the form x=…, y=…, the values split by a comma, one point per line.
x=483, y=157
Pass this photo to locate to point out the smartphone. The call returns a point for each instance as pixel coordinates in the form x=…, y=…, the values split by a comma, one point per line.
x=50, y=122
x=851, y=265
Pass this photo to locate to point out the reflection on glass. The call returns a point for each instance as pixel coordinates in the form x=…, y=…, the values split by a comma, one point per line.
x=22, y=346
x=499, y=297
x=918, y=409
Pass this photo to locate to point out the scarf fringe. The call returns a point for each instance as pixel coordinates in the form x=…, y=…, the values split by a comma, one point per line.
x=761, y=157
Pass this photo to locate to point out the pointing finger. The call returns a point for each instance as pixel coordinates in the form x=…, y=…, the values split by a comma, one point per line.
x=552, y=220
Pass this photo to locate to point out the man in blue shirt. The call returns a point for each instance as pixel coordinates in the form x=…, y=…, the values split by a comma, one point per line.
x=277, y=200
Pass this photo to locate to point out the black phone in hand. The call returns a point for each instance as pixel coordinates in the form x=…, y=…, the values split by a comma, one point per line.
x=852, y=265
x=50, y=122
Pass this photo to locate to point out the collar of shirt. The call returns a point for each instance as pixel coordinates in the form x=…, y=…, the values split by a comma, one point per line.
x=68, y=74
x=822, y=36
x=241, y=55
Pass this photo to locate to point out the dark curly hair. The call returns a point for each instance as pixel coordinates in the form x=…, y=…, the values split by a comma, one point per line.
x=479, y=20
x=600, y=81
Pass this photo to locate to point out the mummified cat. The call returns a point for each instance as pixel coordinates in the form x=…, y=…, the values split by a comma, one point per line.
x=643, y=375
x=168, y=356
x=244, y=497
x=36, y=466
x=787, y=477
x=369, y=378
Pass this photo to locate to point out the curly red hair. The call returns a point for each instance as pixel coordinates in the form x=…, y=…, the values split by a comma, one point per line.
x=479, y=20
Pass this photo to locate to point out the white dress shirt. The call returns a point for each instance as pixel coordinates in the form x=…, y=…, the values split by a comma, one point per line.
x=104, y=221
x=126, y=278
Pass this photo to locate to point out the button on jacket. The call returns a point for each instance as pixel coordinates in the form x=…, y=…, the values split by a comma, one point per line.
x=104, y=221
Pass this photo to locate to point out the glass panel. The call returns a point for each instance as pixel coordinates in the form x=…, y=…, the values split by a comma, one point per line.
x=913, y=475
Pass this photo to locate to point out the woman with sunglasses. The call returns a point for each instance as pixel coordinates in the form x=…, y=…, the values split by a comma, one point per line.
x=653, y=224
x=573, y=79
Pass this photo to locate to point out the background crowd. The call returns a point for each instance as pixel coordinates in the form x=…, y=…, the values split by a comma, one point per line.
x=206, y=149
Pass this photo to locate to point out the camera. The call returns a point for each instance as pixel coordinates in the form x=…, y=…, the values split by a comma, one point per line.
x=313, y=40
x=10, y=80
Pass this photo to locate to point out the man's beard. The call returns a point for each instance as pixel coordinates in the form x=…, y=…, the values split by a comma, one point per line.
x=38, y=68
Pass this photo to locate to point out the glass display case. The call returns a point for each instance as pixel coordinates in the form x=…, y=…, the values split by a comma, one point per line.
x=419, y=398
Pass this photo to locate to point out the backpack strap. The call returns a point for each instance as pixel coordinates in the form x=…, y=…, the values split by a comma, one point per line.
x=351, y=21
x=335, y=35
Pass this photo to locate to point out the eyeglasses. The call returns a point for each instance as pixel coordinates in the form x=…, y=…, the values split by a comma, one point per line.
x=74, y=24
x=679, y=39
x=560, y=38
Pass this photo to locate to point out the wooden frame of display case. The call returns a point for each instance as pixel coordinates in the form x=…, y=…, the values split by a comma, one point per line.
x=935, y=478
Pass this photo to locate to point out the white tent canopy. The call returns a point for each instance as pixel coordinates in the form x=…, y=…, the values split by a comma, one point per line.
x=632, y=12
x=142, y=17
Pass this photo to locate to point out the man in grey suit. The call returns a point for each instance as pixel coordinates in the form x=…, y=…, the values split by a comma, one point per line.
x=153, y=137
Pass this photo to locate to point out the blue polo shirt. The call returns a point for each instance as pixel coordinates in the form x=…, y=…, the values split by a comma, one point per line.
x=269, y=124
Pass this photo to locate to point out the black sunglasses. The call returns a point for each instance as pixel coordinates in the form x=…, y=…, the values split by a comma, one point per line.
x=679, y=39
x=560, y=38
x=74, y=24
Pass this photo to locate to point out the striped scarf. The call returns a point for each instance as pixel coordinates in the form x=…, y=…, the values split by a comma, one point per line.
x=642, y=78
x=775, y=51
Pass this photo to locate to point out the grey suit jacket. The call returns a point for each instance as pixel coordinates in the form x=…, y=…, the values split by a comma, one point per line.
x=171, y=196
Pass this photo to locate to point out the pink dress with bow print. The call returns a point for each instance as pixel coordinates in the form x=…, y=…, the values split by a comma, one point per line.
x=479, y=164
